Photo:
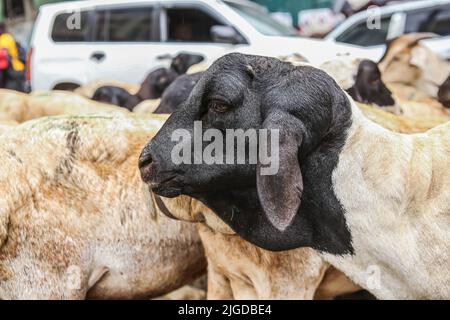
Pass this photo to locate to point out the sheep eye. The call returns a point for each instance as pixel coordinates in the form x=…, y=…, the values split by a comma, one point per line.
x=219, y=107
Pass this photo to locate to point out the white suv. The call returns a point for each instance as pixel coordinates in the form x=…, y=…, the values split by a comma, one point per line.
x=431, y=16
x=77, y=42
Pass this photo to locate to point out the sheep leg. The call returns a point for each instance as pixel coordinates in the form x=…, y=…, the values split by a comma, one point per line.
x=96, y=276
x=218, y=285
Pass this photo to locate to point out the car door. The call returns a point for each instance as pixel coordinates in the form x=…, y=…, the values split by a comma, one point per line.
x=60, y=54
x=124, y=42
x=187, y=27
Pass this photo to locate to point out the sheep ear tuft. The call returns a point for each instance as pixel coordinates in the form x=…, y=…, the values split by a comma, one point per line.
x=250, y=71
x=280, y=193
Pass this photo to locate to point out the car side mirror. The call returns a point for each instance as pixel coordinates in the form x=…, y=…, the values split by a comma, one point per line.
x=225, y=34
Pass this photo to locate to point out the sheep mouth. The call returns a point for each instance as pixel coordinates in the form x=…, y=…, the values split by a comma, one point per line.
x=168, y=187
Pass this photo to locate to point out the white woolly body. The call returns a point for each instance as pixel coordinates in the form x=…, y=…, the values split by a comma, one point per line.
x=395, y=191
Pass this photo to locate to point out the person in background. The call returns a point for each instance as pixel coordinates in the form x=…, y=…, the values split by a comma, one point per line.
x=4, y=65
x=14, y=76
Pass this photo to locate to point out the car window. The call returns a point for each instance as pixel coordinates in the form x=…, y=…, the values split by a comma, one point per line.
x=190, y=24
x=435, y=20
x=417, y=21
x=69, y=27
x=441, y=23
x=124, y=25
x=361, y=35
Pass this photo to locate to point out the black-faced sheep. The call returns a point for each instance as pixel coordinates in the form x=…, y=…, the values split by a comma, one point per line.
x=444, y=93
x=158, y=80
x=177, y=92
x=369, y=88
x=115, y=96
x=184, y=60
x=374, y=202
x=155, y=83
x=153, y=86
x=88, y=89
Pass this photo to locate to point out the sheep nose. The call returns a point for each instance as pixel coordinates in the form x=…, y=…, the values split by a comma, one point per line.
x=145, y=160
x=145, y=166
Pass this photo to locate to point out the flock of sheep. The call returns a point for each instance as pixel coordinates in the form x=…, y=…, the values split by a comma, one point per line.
x=78, y=221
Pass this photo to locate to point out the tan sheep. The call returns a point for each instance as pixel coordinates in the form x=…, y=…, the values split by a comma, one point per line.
x=342, y=70
x=13, y=105
x=76, y=220
x=409, y=62
x=398, y=123
x=199, y=67
x=21, y=107
x=239, y=270
x=147, y=106
x=6, y=125
x=417, y=104
x=65, y=102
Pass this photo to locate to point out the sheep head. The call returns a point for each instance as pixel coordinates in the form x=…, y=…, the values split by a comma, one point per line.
x=299, y=117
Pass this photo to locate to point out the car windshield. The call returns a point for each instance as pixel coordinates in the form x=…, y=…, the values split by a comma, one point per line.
x=262, y=21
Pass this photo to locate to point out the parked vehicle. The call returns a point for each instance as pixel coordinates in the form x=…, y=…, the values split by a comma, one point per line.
x=77, y=42
x=395, y=20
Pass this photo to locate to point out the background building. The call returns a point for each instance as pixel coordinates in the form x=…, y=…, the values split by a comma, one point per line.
x=294, y=6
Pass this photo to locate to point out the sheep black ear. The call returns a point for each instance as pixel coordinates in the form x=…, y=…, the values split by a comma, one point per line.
x=280, y=193
x=162, y=81
x=178, y=65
